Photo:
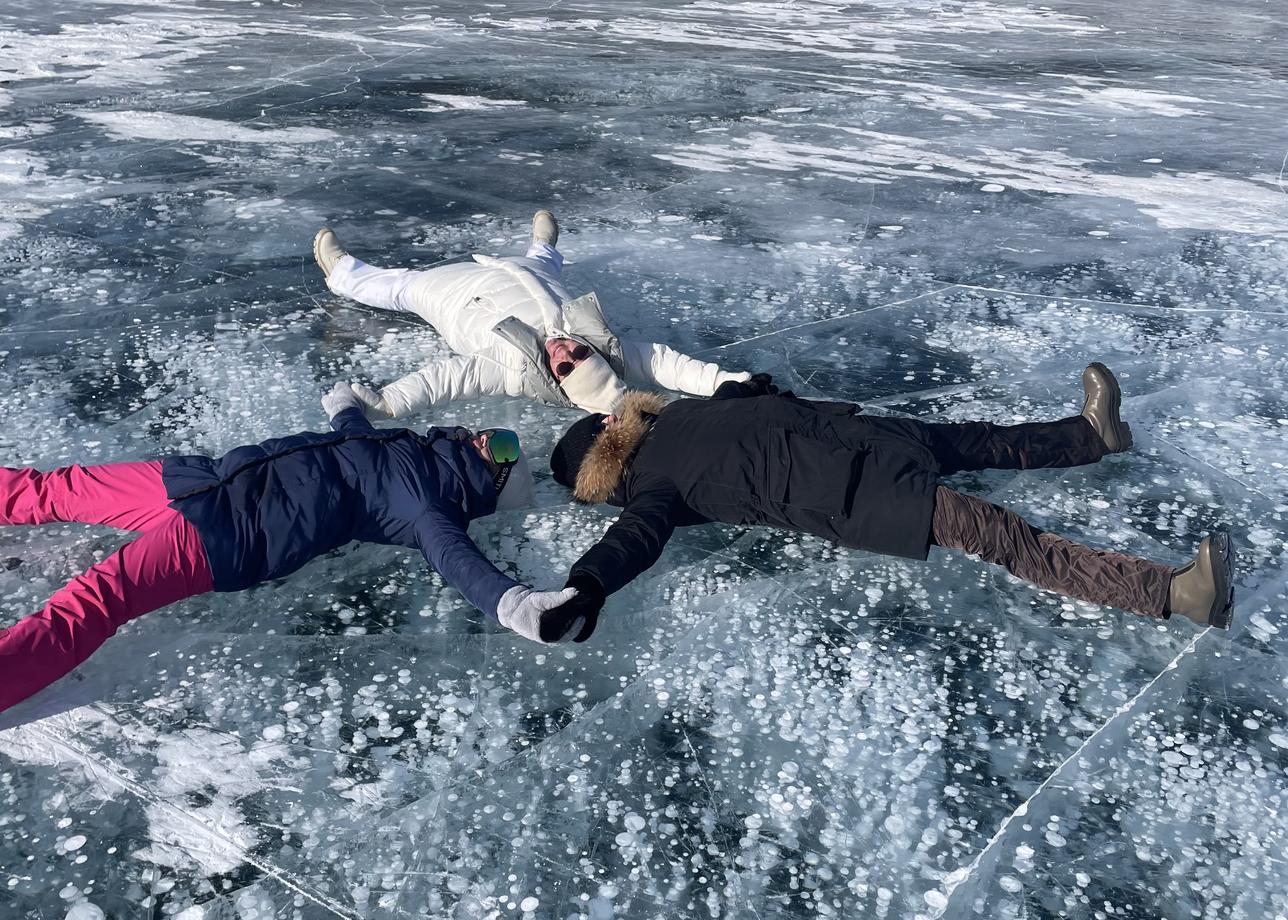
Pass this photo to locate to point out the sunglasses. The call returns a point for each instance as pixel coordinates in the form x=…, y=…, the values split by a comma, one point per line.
x=578, y=354
x=502, y=445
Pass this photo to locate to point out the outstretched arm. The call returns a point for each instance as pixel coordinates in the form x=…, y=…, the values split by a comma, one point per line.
x=633, y=543
x=457, y=377
x=655, y=363
x=446, y=545
x=448, y=548
x=630, y=546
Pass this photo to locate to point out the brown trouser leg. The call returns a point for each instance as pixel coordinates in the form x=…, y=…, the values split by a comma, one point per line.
x=1046, y=560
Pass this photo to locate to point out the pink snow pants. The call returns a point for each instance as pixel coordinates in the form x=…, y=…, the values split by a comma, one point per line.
x=163, y=564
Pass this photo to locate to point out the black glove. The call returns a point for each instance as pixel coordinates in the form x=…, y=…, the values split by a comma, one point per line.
x=762, y=385
x=556, y=621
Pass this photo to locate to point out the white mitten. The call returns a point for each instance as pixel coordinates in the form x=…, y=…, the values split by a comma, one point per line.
x=521, y=607
x=373, y=404
x=338, y=399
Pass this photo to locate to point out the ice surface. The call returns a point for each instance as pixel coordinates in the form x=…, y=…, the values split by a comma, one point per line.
x=931, y=207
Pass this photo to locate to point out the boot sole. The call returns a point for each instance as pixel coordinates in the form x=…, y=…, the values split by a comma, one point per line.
x=1119, y=434
x=1221, y=560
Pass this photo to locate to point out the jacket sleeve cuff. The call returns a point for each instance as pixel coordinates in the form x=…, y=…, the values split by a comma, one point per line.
x=490, y=598
x=732, y=389
x=350, y=419
x=586, y=585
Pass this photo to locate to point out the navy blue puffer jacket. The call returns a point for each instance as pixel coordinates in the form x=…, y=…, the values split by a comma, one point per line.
x=265, y=510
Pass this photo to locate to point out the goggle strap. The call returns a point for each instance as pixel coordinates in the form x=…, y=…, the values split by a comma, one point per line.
x=502, y=477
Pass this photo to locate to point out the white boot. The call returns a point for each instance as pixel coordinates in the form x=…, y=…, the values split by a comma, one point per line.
x=545, y=229
x=327, y=251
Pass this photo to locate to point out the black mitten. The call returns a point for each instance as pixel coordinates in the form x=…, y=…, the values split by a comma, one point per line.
x=763, y=384
x=556, y=621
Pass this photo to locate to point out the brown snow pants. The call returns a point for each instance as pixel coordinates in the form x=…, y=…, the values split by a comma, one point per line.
x=1003, y=537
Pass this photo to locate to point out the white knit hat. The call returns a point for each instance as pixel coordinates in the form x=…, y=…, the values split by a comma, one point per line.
x=594, y=386
x=519, y=489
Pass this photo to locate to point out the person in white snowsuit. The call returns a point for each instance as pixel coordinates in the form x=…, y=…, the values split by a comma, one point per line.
x=516, y=330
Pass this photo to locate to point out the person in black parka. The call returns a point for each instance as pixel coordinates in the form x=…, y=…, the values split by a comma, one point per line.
x=750, y=455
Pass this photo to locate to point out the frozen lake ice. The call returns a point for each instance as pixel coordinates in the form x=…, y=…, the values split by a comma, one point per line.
x=926, y=206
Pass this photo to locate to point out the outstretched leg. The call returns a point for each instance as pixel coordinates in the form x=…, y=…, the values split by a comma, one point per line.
x=166, y=563
x=382, y=288
x=1033, y=445
x=545, y=260
x=1082, y=438
x=1000, y=536
x=415, y=291
x=542, y=258
x=130, y=496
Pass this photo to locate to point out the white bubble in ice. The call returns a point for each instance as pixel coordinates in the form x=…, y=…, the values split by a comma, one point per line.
x=529, y=904
x=84, y=910
x=72, y=844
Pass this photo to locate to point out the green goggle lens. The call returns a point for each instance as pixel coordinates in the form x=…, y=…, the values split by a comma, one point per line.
x=502, y=445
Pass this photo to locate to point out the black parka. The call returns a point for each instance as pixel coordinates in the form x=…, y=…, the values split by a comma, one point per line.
x=813, y=467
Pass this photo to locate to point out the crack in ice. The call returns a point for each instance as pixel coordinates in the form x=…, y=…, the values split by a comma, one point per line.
x=105, y=767
x=961, y=876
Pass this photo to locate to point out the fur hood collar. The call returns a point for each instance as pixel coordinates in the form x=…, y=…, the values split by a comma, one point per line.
x=606, y=462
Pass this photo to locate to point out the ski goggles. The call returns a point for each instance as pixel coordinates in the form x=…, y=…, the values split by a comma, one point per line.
x=578, y=354
x=502, y=445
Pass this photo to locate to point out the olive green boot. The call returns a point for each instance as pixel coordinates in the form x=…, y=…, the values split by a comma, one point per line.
x=1203, y=589
x=1104, y=399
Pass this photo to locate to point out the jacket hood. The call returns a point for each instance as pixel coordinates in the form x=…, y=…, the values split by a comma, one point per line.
x=519, y=489
x=452, y=445
x=609, y=457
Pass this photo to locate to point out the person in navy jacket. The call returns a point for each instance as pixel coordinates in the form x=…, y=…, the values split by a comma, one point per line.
x=261, y=512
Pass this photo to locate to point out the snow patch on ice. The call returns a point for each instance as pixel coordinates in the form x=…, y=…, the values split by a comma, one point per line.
x=1124, y=100
x=1194, y=200
x=446, y=102
x=136, y=49
x=163, y=126
x=831, y=30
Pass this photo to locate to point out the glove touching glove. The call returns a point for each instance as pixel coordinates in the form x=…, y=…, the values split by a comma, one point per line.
x=522, y=609
x=374, y=405
x=338, y=399
x=575, y=618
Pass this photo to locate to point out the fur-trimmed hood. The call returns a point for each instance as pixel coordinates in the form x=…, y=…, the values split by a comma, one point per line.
x=609, y=456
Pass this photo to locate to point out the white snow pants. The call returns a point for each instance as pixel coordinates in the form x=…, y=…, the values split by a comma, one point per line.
x=407, y=290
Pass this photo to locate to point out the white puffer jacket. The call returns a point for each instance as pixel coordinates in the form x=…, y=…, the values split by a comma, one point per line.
x=464, y=302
